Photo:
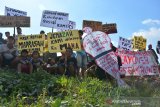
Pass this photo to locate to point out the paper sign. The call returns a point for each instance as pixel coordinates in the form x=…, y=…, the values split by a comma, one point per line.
x=139, y=43
x=69, y=26
x=97, y=44
x=87, y=30
x=14, y=12
x=59, y=41
x=95, y=25
x=109, y=28
x=125, y=43
x=138, y=63
x=54, y=19
x=31, y=42
x=14, y=21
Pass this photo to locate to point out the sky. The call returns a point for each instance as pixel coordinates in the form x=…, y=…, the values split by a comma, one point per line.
x=133, y=17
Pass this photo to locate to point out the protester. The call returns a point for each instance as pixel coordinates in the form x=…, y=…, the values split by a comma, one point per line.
x=61, y=63
x=158, y=47
x=8, y=53
x=24, y=65
x=114, y=49
x=81, y=57
x=51, y=66
x=2, y=41
x=7, y=34
x=19, y=31
x=153, y=53
x=36, y=61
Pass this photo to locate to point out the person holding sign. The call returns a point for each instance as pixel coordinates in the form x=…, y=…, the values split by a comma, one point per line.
x=8, y=53
x=153, y=53
x=158, y=47
x=2, y=41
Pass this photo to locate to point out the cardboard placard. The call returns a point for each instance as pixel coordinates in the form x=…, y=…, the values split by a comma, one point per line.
x=14, y=21
x=95, y=25
x=109, y=28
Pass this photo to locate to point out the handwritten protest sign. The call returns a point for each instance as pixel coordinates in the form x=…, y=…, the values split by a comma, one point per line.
x=14, y=12
x=109, y=28
x=139, y=43
x=87, y=30
x=97, y=44
x=95, y=25
x=54, y=19
x=31, y=43
x=59, y=41
x=69, y=26
x=138, y=63
x=14, y=21
x=125, y=43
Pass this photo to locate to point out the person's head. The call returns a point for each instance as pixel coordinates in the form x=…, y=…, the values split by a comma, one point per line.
x=69, y=51
x=42, y=32
x=7, y=34
x=11, y=40
x=158, y=43
x=150, y=46
x=19, y=30
x=35, y=54
x=24, y=53
x=1, y=35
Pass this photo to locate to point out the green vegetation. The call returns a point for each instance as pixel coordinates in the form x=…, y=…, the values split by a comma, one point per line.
x=41, y=89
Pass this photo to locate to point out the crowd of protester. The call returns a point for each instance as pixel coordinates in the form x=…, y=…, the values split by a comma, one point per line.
x=68, y=63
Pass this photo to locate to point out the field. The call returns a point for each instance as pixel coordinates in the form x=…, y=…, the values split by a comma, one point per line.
x=41, y=89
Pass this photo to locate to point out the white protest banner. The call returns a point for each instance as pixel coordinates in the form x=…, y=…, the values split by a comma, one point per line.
x=14, y=12
x=125, y=43
x=97, y=44
x=138, y=63
x=53, y=19
x=71, y=25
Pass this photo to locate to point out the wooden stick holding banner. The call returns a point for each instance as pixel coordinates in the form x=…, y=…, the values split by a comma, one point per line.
x=14, y=31
x=52, y=29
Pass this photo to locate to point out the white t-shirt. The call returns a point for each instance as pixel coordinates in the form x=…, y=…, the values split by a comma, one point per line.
x=8, y=53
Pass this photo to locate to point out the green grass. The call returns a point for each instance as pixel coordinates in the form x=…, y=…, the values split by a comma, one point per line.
x=41, y=89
